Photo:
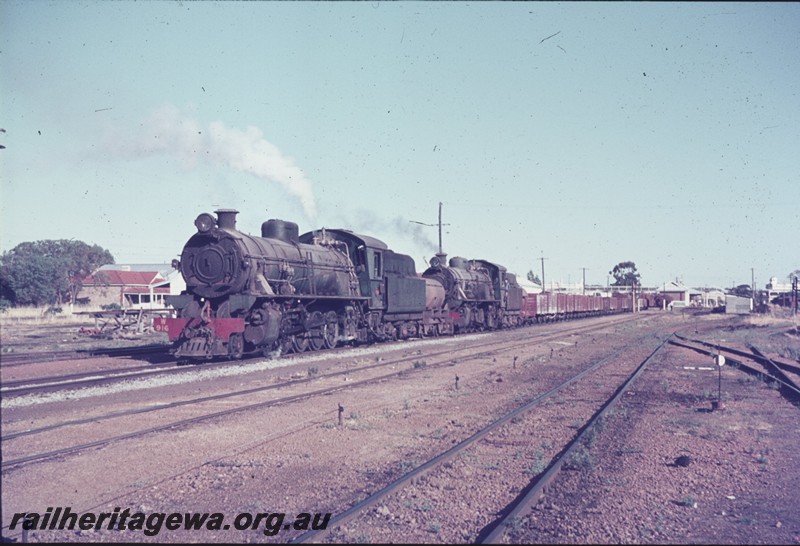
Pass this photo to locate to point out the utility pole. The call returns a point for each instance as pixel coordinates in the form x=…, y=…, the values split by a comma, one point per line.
x=752, y=289
x=441, y=255
x=584, y=279
x=543, y=259
x=440, y=227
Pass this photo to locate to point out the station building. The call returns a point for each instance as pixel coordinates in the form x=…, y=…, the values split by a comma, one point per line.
x=131, y=286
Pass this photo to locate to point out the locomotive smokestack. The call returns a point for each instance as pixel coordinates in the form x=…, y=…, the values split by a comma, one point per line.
x=226, y=218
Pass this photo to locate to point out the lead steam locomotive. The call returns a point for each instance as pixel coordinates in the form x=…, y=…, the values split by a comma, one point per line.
x=292, y=293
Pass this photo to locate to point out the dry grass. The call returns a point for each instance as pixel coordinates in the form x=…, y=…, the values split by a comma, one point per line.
x=778, y=317
x=44, y=315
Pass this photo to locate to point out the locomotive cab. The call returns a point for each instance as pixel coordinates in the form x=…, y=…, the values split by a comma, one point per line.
x=372, y=276
x=366, y=253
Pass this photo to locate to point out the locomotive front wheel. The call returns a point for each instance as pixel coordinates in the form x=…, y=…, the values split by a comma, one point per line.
x=286, y=346
x=330, y=330
x=236, y=346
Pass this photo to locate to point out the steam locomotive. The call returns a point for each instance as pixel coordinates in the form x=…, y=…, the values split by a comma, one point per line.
x=292, y=293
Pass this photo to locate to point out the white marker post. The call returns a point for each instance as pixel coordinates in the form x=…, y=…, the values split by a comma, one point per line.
x=719, y=360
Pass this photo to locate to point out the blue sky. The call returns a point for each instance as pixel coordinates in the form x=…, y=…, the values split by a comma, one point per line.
x=590, y=133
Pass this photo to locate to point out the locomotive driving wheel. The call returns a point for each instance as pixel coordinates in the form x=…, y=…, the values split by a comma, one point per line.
x=315, y=339
x=316, y=336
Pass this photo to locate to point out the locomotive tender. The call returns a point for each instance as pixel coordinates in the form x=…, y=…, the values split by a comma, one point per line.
x=289, y=292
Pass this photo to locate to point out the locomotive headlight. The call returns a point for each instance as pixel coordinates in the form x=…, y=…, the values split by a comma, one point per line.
x=204, y=222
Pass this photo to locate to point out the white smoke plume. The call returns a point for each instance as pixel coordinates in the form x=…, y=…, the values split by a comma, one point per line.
x=168, y=131
x=420, y=234
x=398, y=233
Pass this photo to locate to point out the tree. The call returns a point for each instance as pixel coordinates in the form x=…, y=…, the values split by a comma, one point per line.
x=533, y=277
x=625, y=274
x=743, y=291
x=49, y=271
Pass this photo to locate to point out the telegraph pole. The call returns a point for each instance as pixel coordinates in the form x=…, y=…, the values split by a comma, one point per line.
x=440, y=228
x=441, y=255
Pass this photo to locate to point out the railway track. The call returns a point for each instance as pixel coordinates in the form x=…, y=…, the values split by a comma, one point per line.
x=770, y=370
x=24, y=387
x=56, y=383
x=438, y=358
x=297, y=456
x=531, y=492
x=11, y=360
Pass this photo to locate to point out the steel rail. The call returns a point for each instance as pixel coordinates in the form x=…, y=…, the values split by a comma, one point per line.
x=269, y=403
x=11, y=360
x=789, y=391
x=535, y=490
x=541, y=338
x=745, y=354
x=773, y=366
x=359, y=507
x=23, y=387
x=50, y=383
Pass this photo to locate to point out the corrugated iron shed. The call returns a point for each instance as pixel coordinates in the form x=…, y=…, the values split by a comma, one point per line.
x=737, y=305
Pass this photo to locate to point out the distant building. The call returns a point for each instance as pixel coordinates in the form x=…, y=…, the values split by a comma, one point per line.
x=131, y=286
x=775, y=287
x=676, y=292
x=737, y=305
x=530, y=287
x=713, y=298
x=780, y=293
x=779, y=290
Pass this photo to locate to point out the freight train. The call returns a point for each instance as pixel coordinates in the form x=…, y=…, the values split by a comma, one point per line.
x=288, y=292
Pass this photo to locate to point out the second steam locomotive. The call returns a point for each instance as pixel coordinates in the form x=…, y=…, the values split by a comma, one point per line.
x=288, y=292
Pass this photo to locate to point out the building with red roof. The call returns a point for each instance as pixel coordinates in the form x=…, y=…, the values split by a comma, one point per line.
x=129, y=288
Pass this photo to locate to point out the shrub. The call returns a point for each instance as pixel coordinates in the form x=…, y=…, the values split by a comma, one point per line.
x=580, y=459
x=688, y=500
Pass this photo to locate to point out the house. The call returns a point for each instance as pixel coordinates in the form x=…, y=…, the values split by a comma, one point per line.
x=677, y=292
x=131, y=286
x=713, y=298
